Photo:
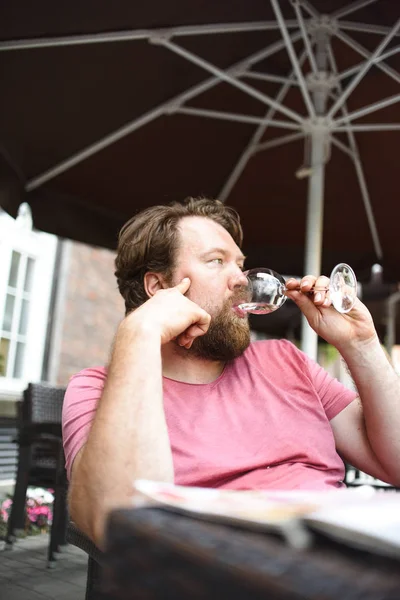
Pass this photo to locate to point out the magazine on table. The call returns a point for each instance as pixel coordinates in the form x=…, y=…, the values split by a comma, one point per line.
x=360, y=517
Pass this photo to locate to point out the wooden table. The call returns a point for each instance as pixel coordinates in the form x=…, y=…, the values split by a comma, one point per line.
x=153, y=553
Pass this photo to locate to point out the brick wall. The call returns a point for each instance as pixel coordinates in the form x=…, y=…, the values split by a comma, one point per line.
x=93, y=309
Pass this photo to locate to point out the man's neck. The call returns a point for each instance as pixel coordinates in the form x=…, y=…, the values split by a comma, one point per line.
x=180, y=365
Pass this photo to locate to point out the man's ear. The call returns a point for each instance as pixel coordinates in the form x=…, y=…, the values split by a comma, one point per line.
x=154, y=282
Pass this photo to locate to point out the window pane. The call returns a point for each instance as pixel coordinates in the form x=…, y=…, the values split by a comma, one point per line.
x=19, y=360
x=15, y=260
x=23, y=321
x=8, y=312
x=4, y=349
x=29, y=275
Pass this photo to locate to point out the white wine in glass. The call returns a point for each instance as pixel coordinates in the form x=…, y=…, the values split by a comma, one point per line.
x=266, y=290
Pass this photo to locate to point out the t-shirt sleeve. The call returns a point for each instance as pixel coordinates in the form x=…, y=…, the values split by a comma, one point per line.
x=79, y=408
x=333, y=394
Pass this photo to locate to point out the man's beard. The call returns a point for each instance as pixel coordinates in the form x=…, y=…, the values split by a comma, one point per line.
x=227, y=337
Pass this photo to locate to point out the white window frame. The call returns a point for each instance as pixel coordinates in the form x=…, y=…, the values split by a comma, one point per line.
x=41, y=247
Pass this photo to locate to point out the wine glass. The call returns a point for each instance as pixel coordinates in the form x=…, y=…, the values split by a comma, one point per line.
x=266, y=290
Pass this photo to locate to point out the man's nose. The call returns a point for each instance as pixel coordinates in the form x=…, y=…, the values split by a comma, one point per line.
x=238, y=279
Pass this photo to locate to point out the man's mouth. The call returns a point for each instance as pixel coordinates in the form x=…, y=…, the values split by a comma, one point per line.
x=239, y=312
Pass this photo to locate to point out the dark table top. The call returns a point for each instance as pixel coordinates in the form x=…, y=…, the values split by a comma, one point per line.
x=154, y=553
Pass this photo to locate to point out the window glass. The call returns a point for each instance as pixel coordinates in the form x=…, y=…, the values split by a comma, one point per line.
x=13, y=277
x=8, y=312
x=29, y=275
x=19, y=360
x=23, y=320
x=4, y=349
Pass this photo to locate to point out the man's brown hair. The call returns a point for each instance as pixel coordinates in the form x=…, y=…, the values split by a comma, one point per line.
x=149, y=241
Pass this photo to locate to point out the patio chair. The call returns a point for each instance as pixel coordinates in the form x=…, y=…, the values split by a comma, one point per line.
x=95, y=561
x=40, y=461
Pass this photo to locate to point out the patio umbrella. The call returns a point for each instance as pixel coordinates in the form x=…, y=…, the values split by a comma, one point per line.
x=286, y=110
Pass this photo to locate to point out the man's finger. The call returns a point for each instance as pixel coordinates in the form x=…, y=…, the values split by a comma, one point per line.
x=183, y=285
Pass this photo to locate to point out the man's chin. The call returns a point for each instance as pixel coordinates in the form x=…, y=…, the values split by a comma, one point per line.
x=223, y=341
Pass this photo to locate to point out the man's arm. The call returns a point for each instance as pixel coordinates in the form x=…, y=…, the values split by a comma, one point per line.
x=367, y=432
x=129, y=437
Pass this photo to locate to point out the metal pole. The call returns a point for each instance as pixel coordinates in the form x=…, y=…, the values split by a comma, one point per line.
x=225, y=116
x=363, y=28
x=140, y=34
x=314, y=228
x=366, y=110
x=293, y=58
x=370, y=127
x=153, y=114
x=279, y=141
x=255, y=139
x=367, y=65
x=358, y=167
x=268, y=77
x=347, y=10
x=356, y=68
x=315, y=203
x=304, y=33
x=366, y=54
x=225, y=76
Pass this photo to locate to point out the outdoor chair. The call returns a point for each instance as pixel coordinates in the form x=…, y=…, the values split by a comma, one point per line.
x=95, y=561
x=41, y=461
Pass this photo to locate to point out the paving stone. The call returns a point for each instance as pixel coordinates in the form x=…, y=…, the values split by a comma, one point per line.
x=25, y=569
x=15, y=592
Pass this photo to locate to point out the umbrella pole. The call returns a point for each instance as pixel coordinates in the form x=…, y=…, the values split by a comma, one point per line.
x=314, y=227
x=319, y=139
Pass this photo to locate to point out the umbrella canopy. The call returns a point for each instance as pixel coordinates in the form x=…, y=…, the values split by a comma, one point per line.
x=109, y=108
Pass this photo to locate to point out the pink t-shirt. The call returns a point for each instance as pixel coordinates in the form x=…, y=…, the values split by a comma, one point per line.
x=264, y=423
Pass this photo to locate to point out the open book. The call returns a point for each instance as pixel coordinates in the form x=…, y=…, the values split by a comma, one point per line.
x=360, y=517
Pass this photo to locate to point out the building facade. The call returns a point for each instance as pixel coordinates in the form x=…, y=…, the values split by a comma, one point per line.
x=59, y=310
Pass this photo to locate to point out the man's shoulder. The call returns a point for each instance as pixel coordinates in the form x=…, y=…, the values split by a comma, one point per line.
x=94, y=376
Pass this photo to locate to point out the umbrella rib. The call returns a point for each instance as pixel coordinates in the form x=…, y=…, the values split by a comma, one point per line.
x=268, y=77
x=279, y=141
x=370, y=127
x=366, y=54
x=367, y=65
x=256, y=137
x=352, y=70
x=336, y=142
x=366, y=110
x=306, y=39
x=358, y=166
x=309, y=8
x=364, y=27
x=239, y=118
x=156, y=112
x=347, y=10
x=225, y=76
x=293, y=58
x=139, y=34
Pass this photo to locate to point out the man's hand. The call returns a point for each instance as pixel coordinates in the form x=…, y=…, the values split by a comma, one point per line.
x=341, y=330
x=171, y=315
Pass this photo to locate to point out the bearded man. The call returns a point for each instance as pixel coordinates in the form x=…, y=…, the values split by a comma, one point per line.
x=186, y=397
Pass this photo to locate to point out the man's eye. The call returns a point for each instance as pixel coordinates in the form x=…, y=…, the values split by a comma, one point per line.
x=217, y=260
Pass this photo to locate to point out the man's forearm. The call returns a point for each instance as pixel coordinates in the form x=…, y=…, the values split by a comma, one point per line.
x=129, y=437
x=379, y=389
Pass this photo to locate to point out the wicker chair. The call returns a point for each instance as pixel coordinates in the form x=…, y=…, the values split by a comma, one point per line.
x=95, y=561
x=40, y=461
